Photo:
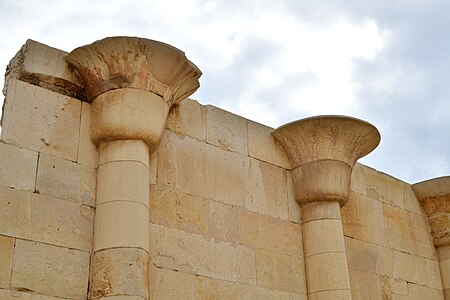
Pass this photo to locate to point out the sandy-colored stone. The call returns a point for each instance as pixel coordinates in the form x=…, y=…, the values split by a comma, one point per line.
x=444, y=266
x=6, y=260
x=365, y=285
x=226, y=130
x=207, y=288
x=66, y=180
x=121, y=224
x=18, y=167
x=246, y=265
x=44, y=66
x=259, y=231
x=123, y=181
x=404, y=266
x=280, y=272
x=266, y=189
x=365, y=256
x=263, y=146
x=224, y=222
x=122, y=271
x=16, y=295
x=188, y=118
x=333, y=294
x=41, y=120
x=138, y=63
x=327, y=271
x=411, y=202
x=385, y=188
x=50, y=270
x=260, y=293
x=124, y=150
x=177, y=250
x=44, y=219
x=314, y=211
x=294, y=214
x=201, y=170
x=87, y=152
x=169, y=285
x=222, y=261
x=418, y=292
x=170, y=207
x=322, y=236
x=358, y=180
x=362, y=219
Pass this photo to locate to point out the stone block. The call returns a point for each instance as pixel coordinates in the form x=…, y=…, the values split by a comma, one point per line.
x=385, y=188
x=66, y=180
x=404, y=266
x=177, y=250
x=273, y=234
x=294, y=214
x=365, y=285
x=123, y=181
x=358, y=179
x=124, y=150
x=87, y=152
x=45, y=66
x=411, y=202
x=208, y=288
x=418, y=292
x=333, y=294
x=173, y=208
x=322, y=236
x=362, y=219
x=246, y=265
x=365, y=256
x=6, y=260
x=222, y=261
x=168, y=285
x=16, y=295
x=125, y=219
x=324, y=272
x=445, y=273
x=188, y=118
x=200, y=169
x=44, y=219
x=260, y=293
x=226, y=130
x=121, y=271
x=263, y=146
x=224, y=222
x=280, y=272
x=313, y=211
x=41, y=120
x=266, y=189
x=50, y=270
x=18, y=167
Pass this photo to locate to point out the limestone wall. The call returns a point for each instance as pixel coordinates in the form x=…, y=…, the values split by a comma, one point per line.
x=223, y=220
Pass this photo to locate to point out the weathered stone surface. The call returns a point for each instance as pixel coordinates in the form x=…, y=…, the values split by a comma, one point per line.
x=358, y=179
x=226, y=130
x=87, y=152
x=41, y=120
x=188, y=118
x=121, y=224
x=322, y=236
x=365, y=285
x=259, y=231
x=362, y=219
x=50, y=270
x=280, y=272
x=266, y=189
x=121, y=271
x=123, y=181
x=294, y=214
x=260, y=293
x=173, y=208
x=433, y=274
x=263, y=146
x=44, y=66
x=332, y=294
x=385, y=188
x=66, y=180
x=246, y=265
x=16, y=295
x=418, y=292
x=324, y=272
x=44, y=219
x=314, y=211
x=138, y=63
x=224, y=222
x=201, y=170
x=168, y=285
x=18, y=167
x=207, y=288
x=6, y=260
x=365, y=256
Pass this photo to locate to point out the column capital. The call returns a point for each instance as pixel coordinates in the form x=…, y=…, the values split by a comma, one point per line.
x=323, y=151
x=434, y=197
x=132, y=84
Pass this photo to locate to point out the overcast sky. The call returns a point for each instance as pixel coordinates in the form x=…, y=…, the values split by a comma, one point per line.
x=387, y=62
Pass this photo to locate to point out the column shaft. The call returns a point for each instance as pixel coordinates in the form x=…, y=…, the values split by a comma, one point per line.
x=444, y=266
x=324, y=248
x=121, y=235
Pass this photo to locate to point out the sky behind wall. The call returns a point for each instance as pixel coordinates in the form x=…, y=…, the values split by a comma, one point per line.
x=387, y=62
